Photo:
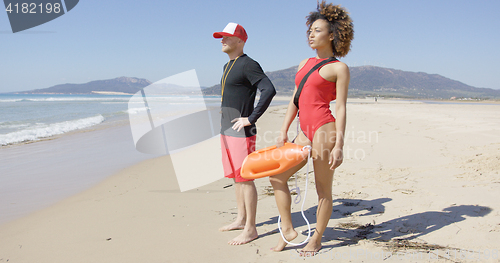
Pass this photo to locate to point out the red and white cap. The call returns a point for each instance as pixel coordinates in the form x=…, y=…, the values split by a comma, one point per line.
x=233, y=30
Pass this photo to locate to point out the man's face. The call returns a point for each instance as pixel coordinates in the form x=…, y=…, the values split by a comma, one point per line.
x=230, y=44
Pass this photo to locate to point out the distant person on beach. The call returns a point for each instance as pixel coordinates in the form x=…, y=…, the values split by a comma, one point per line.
x=241, y=78
x=330, y=31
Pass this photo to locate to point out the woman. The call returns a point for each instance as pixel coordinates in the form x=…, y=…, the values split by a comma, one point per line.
x=330, y=34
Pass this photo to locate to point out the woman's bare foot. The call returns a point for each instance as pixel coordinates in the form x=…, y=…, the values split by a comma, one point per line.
x=289, y=236
x=311, y=249
x=245, y=237
x=233, y=226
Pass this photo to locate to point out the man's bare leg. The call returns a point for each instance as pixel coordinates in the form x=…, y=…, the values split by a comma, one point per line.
x=248, y=193
x=240, y=221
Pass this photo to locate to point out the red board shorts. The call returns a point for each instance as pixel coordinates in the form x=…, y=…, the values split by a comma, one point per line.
x=234, y=151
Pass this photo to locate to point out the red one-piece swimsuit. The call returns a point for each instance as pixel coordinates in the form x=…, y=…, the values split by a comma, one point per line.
x=315, y=98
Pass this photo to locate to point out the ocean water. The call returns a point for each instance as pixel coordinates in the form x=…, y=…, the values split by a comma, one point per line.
x=31, y=117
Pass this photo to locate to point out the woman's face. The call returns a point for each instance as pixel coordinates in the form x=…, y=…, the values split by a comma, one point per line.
x=319, y=35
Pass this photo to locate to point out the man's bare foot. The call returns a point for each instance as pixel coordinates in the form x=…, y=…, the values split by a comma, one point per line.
x=245, y=237
x=289, y=235
x=232, y=226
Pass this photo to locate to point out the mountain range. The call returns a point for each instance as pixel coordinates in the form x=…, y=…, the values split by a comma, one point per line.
x=365, y=81
x=377, y=81
x=125, y=85
x=385, y=82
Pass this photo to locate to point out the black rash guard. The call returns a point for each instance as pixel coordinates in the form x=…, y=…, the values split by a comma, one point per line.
x=243, y=77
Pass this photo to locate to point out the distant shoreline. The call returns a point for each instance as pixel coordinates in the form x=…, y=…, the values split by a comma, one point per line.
x=285, y=96
x=111, y=93
x=57, y=93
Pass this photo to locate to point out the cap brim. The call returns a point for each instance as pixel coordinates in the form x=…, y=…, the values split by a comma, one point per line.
x=222, y=34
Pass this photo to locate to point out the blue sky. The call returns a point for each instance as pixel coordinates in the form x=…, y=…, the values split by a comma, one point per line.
x=155, y=39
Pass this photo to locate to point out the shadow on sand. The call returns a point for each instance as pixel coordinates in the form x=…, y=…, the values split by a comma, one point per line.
x=403, y=229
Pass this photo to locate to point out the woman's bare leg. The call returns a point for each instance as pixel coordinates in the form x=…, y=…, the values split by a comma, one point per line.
x=323, y=143
x=284, y=200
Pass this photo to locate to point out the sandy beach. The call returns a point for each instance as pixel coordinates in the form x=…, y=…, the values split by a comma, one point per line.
x=420, y=183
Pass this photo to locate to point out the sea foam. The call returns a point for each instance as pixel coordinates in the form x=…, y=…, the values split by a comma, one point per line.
x=47, y=130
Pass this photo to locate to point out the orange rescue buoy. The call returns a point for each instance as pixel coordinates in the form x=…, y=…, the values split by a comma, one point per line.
x=272, y=160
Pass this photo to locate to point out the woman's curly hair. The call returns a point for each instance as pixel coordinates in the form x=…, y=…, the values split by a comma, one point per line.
x=340, y=25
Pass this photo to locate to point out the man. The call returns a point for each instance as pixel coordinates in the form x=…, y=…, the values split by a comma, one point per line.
x=241, y=78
